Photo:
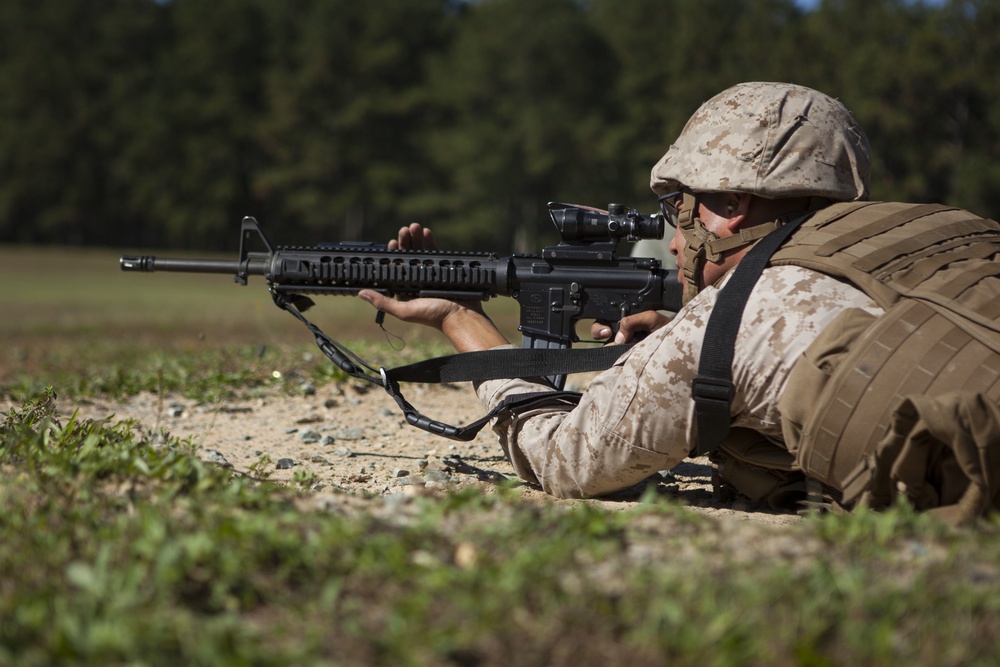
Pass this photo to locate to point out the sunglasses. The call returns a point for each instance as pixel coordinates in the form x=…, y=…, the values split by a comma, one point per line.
x=670, y=206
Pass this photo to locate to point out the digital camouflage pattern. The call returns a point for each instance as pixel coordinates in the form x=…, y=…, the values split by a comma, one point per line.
x=772, y=140
x=635, y=418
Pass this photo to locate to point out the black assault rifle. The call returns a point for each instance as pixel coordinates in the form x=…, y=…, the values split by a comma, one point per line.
x=581, y=278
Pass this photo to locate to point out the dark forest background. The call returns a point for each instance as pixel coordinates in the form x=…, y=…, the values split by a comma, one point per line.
x=161, y=124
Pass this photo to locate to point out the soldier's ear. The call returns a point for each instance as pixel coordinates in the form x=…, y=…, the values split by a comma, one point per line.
x=737, y=209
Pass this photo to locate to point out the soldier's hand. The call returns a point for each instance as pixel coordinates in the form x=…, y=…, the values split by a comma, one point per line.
x=631, y=328
x=428, y=312
x=463, y=322
x=414, y=237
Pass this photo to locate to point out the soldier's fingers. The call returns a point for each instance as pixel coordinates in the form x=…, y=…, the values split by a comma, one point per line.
x=600, y=330
x=429, y=242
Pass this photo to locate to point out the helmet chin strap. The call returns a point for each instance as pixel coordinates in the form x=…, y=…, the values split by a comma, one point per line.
x=695, y=250
x=702, y=245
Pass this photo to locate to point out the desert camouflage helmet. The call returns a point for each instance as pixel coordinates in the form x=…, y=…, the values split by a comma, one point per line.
x=773, y=140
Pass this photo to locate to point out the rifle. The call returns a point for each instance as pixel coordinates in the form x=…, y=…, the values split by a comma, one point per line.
x=582, y=277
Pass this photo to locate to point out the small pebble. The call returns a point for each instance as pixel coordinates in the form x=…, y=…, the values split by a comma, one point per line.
x=216, y=457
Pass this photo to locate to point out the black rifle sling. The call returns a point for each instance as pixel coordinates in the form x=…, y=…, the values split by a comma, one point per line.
x=464, y=367
x=493, y=365
x=712, y=388
x=509, y=363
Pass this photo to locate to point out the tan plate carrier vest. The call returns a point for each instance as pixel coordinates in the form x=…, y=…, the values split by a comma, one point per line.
x=935, y=271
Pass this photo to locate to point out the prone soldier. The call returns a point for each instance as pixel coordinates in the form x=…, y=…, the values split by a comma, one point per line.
x=826, y=342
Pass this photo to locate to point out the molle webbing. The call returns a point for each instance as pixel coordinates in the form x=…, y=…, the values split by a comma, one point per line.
x=876, y=227
x=935, y=271
x=922, y=265
x=889, y=250
x=912, y=350
x=916, y=244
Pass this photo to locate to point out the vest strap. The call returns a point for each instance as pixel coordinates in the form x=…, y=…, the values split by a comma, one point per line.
x=712, y=389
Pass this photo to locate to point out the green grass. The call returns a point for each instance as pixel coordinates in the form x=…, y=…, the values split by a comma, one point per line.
x=117, y=551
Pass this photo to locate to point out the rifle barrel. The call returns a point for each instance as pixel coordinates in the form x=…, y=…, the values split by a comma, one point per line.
x=149, y=264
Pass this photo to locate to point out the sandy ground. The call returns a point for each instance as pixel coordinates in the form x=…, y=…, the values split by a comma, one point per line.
x=354, y=439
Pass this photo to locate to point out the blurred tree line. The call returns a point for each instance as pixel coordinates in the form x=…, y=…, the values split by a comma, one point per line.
x=162, y=123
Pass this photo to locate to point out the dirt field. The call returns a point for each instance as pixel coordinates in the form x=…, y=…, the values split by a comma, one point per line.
x=354, y=439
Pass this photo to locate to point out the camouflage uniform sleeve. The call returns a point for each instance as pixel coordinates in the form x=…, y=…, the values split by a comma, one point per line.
x=634, y=419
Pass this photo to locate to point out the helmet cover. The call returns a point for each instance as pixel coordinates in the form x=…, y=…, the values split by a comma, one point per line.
x=773, y=140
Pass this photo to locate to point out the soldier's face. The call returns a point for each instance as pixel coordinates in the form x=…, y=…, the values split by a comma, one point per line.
x=714, y=211
x=677, y=245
